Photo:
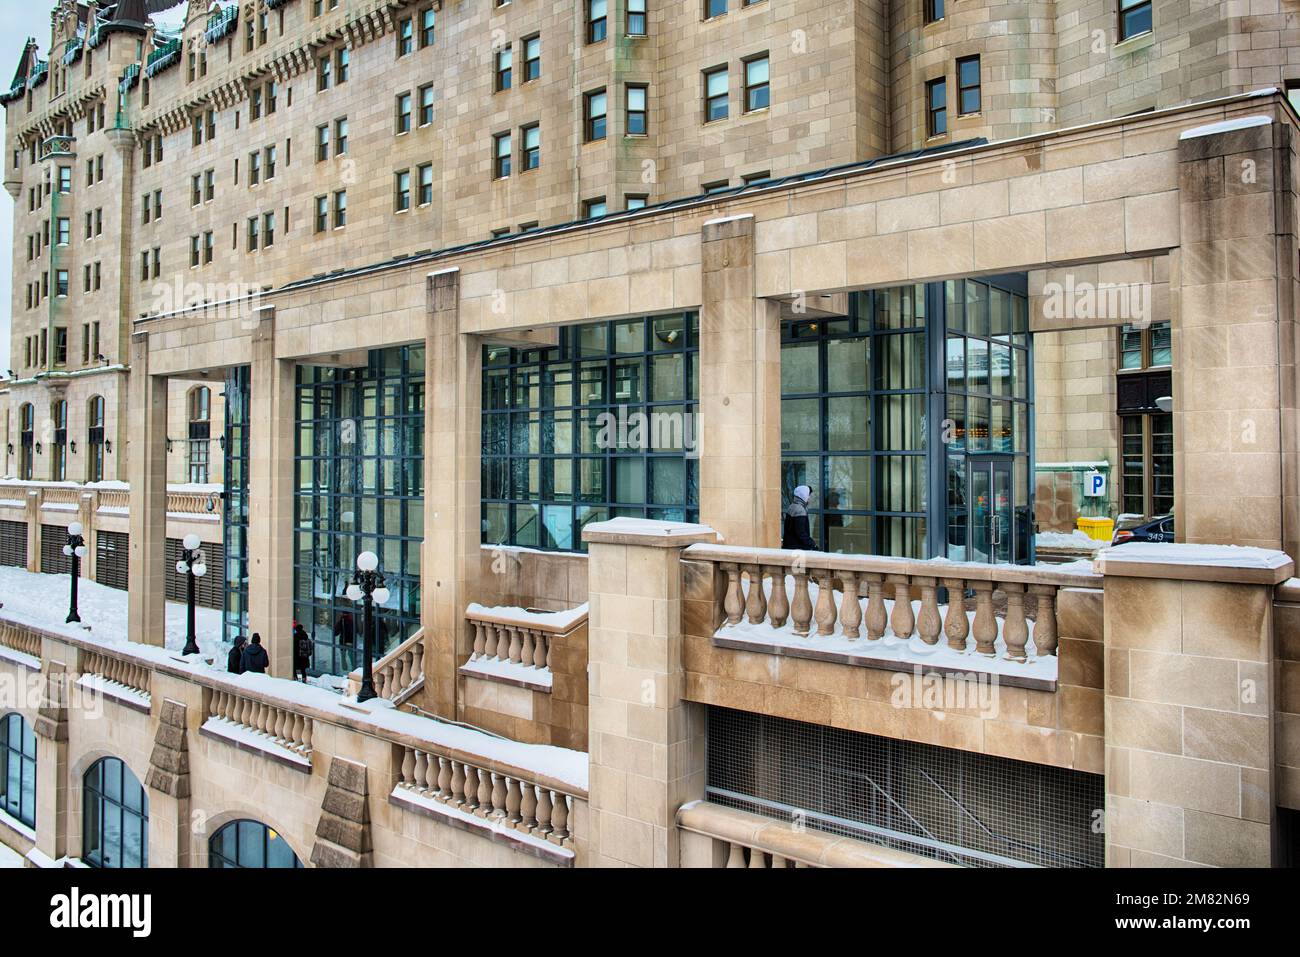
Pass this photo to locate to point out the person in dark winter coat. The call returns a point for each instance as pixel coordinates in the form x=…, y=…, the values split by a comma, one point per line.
x=797, y=533
x=255, y=657
x=301, y=652
x=345, y=635
x=235, y=660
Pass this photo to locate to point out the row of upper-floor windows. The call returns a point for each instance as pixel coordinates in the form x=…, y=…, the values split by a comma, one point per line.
x=39, y=290
x=969, y=96
x=36, y=346
x=1134, y=16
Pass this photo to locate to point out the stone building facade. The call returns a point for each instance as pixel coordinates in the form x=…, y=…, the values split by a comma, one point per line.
x=1025, y=233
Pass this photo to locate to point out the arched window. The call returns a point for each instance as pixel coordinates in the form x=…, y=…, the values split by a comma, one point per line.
x=18, y=769
x=95, y=439
x=250, y=844
x=59, y=447
x=26, y=438
x=200, y=433
x=115, y=817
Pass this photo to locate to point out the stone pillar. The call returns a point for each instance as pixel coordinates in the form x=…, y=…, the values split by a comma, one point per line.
x=453, y=400
x=740, y=391
x=646, y=742
x=270, y=497
x=1189, y=695
x=1234, y=339
x=32, y=512
x=168, y=780
x=51, y=729
x=147, y=468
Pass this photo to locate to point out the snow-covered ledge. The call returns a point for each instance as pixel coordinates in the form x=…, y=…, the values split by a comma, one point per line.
x=1237, y=564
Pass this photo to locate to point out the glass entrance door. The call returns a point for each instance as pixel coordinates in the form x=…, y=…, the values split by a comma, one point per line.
x=992, y=533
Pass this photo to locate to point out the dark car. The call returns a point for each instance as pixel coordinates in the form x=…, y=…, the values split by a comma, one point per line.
x=1158, y=529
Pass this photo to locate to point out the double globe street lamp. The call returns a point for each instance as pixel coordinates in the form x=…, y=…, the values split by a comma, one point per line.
x=193, y=567
x=367, y=586
x=76, y=550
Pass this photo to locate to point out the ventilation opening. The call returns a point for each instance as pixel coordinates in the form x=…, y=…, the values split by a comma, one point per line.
x=955, y=806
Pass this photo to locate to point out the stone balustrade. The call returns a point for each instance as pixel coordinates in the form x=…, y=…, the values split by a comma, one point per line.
x=494, y=793
x=179, y=502
x=120, y=669
x=399, y=674
x=19, y=638
x=278, y=725
x=527, y=643
x=870, y=598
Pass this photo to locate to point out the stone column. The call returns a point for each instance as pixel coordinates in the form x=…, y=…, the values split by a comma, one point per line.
x=270, y=497
x=51, y=729
x=168, y=781
x=147, y=468
x=740, y=391
x=1189, y=695
x=646, y=742
x=32, y=512
x=1234, y=339
x=453, y=400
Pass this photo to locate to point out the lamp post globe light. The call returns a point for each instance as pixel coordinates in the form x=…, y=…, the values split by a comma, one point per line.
x=193, y=567
x=75, y=549
x=367, y=586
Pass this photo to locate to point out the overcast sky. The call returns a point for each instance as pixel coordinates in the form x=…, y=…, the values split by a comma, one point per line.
x=19, y=19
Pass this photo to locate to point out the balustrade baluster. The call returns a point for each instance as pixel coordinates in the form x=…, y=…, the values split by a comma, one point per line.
x=757, y=859
x=419, y=771
x=877, y=620
x=417, y=661
x=755, y=601
x=445, y=792
x=801, y=608
x=514, y=798
x=928, y=623
x=498, y=795
x=779, y=609
x=516, y=643
x=528, y=807
x=484, y=793
x=469, y=796
x=1045, y=636
x=526, y=650
x=480, y=639
x=902, y=620
x=560, y=818
x=955, y=624
x=1015, y=630
x=778, y=861
x=409, y=763
x=544, y=809
x=732, y=603
x=490, y=639
x=541, y=651
x=306, y=734
x=850, y=610
x=825, y=604
x=986, y=626
x=736, y=856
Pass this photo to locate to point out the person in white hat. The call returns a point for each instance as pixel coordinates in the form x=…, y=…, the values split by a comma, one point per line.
x=797, y=533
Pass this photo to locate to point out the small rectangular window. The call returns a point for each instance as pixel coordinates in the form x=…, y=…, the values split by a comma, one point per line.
x=594, y=108
x=532, y=58
x=322, y=143
x=756, y=84
x=593, y=208
x=636, y=201
x=403, y=121
x=340, y=136
x=426, y=104
x=402, y=191
x=714, y=8
x=933, y=10
x=340, y=209
x=636, y=18
x=504, y=69
x=597, y=20
x=716, y=94
x=322, y=213
x=936, y=105
x=501, y=149
x=1134, y=18
x=638, y=123
x=968, y=85
x=405, y=36
x=531, y=137
x=426, y=184
x=428, y=22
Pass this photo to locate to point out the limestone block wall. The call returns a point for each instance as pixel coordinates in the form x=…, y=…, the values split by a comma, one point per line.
x=1286, y=649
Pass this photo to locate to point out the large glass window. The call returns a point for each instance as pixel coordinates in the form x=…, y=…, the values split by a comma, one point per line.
x=852, y=422
x=360, y=487
x=18, y=769
x=601, y=426
x=115, y=817
x=95, y=439
x=59, y=445
x=235, y=502
x=250, y=844
x=1146, y=429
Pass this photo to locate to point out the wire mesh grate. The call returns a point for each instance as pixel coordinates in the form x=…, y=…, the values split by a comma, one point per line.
x=971, y=809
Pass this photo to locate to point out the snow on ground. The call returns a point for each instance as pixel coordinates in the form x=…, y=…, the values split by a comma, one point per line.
x=42, y=601
x=1074, y=539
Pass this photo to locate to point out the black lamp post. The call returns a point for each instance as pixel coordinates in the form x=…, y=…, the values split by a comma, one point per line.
x=368, y=587
x=192, y=566
x=75, y=550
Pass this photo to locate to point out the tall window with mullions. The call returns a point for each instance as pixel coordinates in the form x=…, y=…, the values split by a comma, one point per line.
x=234, y=620
x=853, y=393
x=601, y=426
x=360, y=487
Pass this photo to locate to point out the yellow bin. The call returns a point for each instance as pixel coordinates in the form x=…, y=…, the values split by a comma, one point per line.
x=1101, y=529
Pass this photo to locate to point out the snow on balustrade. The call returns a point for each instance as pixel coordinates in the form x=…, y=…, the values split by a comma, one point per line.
x=812, y=605
x=515, y=644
